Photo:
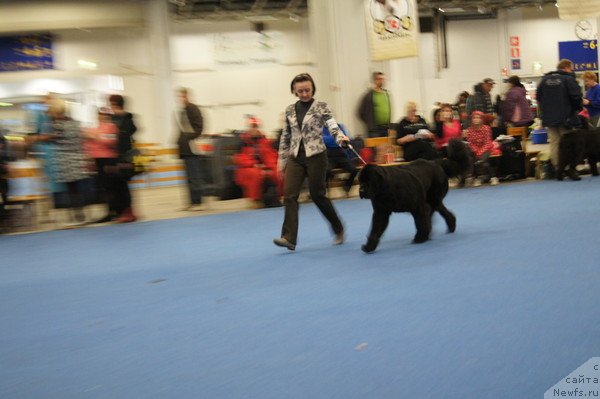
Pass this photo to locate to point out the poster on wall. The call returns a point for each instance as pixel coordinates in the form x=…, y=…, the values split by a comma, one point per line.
x=391, y=29
x=583, y=54
x=244, y=48
x=26, y=53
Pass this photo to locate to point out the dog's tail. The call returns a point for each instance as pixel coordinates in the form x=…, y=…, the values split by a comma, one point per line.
x=460, y=159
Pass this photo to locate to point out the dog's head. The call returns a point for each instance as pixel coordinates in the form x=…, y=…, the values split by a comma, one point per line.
x=371, y=180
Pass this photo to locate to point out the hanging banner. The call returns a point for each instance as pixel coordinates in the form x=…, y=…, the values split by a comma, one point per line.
x=392, y=29
x=26, y=53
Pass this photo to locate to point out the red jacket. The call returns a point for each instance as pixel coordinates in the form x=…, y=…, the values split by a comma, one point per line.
x=256, y=151
x=480, y=140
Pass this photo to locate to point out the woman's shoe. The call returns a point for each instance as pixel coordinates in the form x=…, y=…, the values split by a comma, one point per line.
x=282, y=242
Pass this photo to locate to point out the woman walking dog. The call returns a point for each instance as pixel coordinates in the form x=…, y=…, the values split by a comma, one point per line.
x=302, y=154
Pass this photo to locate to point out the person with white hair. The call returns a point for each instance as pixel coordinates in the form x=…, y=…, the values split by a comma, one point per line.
x=412, y=133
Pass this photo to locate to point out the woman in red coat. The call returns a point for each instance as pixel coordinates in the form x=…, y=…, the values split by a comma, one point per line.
x=256, y=164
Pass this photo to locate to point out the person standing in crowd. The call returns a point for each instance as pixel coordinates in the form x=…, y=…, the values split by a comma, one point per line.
x=302, y=154
x=375, y=108
x=447, y=128
x=190, y=123
x=101, y=145
x=592, y=97
x=257, y=166
x=413, y=134
x=337, y=157
x=481, y=100
x=460, y=107
x=124, y=171
x=559, y=98
x=479, y=137
x=516, y=110
x=69, y=162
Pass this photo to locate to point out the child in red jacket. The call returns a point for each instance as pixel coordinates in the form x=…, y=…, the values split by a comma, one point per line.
x=483, y=146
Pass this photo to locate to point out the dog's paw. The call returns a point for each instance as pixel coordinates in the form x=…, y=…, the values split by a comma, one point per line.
x=366, y=248
x=370, y=246
x=452, y=226
x=419, y=239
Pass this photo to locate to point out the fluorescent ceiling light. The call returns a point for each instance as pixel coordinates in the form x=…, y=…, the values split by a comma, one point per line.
x=87, y=64
x=261, y=18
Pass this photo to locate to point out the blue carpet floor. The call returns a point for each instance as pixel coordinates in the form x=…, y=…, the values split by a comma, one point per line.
x=208, y=307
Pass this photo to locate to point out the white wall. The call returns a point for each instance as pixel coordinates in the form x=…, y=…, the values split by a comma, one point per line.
x=227, y=92
x=539, y=34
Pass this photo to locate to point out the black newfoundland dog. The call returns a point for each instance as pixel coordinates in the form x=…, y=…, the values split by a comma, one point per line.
x=574, y=148
x=418, y=187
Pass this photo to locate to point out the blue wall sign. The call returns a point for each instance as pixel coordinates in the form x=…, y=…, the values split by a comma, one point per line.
x=26, y=53
x=583, y=53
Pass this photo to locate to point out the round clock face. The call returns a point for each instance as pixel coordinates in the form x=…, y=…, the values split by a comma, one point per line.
x=584, y=30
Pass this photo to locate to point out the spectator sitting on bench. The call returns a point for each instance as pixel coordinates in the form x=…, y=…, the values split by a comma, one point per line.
x=480, y=141
x=337, y=157
x=413, y=134
x=256, y=171
x=446, y=128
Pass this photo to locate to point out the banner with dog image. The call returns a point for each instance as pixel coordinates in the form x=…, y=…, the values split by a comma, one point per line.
x=392, y=28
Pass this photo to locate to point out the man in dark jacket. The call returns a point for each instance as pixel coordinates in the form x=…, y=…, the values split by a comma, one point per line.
x=190, y=123
x=120, y=205
x=481, y=100
x=375, y=108
x=560, y=99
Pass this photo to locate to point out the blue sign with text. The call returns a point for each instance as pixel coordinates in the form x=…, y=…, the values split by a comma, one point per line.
x=583, y=53
x=26, y=53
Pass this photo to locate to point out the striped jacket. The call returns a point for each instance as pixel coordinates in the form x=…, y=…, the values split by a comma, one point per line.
x=318, y=115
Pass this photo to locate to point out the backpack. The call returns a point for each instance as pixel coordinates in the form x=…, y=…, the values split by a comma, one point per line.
x=512, y=161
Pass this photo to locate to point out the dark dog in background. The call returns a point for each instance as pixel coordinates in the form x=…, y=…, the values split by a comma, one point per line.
x=418, y=187
x=575, y=147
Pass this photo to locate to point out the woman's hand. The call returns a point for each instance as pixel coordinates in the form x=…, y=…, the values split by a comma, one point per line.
x=406, y=139
x=586, y=101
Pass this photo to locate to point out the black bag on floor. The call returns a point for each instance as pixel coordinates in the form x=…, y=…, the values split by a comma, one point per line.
x=512, y=161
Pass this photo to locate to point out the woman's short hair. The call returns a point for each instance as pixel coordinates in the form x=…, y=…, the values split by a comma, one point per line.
x=117, y=99
x=303, y=77
x=56, y=106
x=590, y=75
x=410, y=104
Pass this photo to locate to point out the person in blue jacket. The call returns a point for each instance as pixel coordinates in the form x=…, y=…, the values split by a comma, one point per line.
x=338, y=157
x=591, y=101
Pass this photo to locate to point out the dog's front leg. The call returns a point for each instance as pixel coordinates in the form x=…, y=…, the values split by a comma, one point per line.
x=423, y=223
x=379, y=223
